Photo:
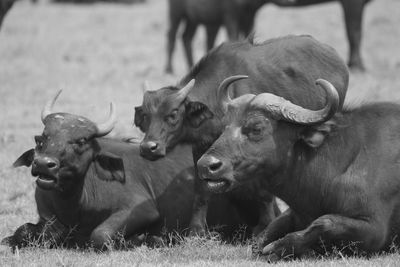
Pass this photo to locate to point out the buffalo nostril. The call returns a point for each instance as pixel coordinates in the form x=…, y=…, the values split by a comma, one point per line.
x=153, y=146
x=214, y=166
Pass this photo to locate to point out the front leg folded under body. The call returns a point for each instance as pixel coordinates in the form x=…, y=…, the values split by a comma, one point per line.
x=368, y=235
x=128, y=221
x=48, y=233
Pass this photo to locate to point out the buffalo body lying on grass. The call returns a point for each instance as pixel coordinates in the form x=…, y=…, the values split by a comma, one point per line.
x=91, y=189
x=337, y=171
x=190, y=112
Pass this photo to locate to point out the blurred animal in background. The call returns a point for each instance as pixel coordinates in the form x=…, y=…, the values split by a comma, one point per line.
x=337, y=171
x=5, y=6
x=90, y=189
x=190, y=113
x=236, y=15
x=353, y=15
x=238, y=18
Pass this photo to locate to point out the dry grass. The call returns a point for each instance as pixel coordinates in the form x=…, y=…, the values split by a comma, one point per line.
x=103, y=52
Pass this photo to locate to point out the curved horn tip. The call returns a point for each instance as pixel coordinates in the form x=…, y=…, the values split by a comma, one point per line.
x=47, y=109
x=223, y=88
x=106, y=127
x=182, y=93
x=328, y=87
x=191, y=82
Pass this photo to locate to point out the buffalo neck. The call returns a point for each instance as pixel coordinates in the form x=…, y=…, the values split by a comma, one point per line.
x=307, y=172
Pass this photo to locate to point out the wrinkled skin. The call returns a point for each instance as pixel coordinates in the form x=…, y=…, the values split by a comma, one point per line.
x=91, y=190
x=238, y=18
x=286, y=66
x=339, y=177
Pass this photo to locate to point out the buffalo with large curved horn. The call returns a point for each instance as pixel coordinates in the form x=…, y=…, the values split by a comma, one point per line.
x=223, y=92
x=283, y=109
x=102, y=128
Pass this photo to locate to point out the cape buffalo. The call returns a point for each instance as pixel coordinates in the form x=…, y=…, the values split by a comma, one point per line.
x=90, y=188
x=238, y=18
x=337, y=171
x=190, y=112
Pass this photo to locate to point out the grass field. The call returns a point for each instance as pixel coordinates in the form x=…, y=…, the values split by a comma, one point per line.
x=103, y=52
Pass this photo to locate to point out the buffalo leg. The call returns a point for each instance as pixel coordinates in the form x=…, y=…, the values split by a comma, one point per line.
x=23, y=236
x=142, y=215
x=248, y=25
x=48, y=233
x=212, y=31
x=267, y=214
x=198, y=222
x=175, y=20
x=282, y=225
x=369, y=236
x=232, y=28
x=353, y=14
x=187, y=37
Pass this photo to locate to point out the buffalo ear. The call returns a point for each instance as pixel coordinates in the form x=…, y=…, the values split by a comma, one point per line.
x=314, y=136
x=139, y=118
x=25, y=159
x=109, y=167
x=197, y=113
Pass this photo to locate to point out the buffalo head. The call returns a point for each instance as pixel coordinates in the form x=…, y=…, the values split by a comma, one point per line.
x=66, y=148
x=164, y=117
x=260, y=137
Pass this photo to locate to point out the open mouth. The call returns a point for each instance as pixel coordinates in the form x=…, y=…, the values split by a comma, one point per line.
x=217, y=185
x=46, y=182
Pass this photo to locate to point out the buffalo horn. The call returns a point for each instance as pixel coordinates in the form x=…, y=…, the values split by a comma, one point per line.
x=47, y=109
x=106, y=127
x=223, y=93
x=182, y=93
x=286, y=110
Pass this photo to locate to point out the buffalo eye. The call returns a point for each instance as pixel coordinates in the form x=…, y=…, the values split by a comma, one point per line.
x=253, y=132
x=39, y=141
x=81, y=142
x=172, y=118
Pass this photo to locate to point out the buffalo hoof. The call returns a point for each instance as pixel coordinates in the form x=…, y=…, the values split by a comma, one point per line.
x=197, y=230
x=285, y=248
x=154, y=241
x=356, y=65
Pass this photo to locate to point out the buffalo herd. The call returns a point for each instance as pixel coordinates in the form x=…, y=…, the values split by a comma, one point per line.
x=250, y=122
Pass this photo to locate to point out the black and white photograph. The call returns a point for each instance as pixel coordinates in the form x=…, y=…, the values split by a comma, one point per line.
x=199, y=133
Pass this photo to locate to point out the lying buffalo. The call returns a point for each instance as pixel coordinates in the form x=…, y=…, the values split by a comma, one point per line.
x=90, y=188
x=238, y=18
x=338, y=171
x=190, y=112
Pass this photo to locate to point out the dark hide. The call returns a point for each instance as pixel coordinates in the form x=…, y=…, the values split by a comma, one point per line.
x=286, y=66
x=90, y=189
x=340, y=178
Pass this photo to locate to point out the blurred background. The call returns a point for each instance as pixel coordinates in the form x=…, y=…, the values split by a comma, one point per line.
x=103, y=51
